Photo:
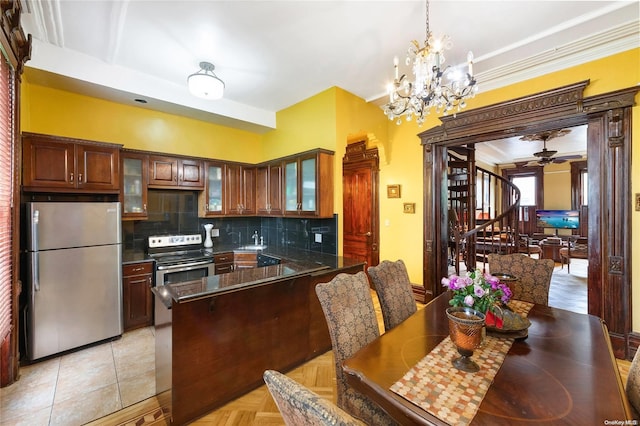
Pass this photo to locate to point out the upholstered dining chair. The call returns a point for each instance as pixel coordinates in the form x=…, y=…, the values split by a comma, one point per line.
x=300, y=406
x=533, y=275
x=348, y=308
x=391, y=281
x=632, y=387
x=528, y=246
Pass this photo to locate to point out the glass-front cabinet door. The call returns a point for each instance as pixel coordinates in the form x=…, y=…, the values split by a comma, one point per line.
x=291, y=201
x=300, y=175
x=211, y=199
x=308, y=184
x=134, y=186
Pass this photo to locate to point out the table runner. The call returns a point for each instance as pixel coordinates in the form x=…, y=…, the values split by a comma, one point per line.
x=454, y=396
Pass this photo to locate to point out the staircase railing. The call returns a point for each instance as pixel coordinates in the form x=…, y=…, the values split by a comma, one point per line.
x=475, y=230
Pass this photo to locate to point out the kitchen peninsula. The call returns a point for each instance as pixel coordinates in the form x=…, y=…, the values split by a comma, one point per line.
x=222, y=331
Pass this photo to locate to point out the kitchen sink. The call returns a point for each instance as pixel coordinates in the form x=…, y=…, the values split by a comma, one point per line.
x=253, y=247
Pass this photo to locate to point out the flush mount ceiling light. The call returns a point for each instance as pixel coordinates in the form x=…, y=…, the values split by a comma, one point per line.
x=205, y=84
x=428, y=89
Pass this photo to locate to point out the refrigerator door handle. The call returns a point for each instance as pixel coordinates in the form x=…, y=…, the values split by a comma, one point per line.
x=35, y=258
x=35, y=270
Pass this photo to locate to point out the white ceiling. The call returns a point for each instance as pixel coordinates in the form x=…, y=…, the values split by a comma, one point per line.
x=273, y=54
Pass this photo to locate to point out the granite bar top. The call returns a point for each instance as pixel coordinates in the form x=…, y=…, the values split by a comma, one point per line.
x=233, y=281
x=294, y=263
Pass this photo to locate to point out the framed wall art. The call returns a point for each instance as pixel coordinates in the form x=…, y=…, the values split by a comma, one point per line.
x=393, y=191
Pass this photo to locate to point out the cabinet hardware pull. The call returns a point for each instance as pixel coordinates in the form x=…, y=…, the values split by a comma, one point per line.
x=71, y=179
x=144, y=207
x=80, y=177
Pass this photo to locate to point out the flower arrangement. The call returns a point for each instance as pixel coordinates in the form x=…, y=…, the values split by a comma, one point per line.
x=477, y=290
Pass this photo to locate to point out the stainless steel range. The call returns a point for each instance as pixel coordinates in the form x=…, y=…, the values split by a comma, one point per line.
x=180, y=258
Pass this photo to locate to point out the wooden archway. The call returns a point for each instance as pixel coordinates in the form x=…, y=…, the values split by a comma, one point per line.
x=608, y=118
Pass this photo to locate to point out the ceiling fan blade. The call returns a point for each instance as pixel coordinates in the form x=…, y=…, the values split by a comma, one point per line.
x=569, y=157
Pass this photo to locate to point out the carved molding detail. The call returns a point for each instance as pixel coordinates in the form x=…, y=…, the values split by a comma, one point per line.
x=428, y=246
x=13, y=38
x=357, y=151
x=616, y=133
x=540, y=101
x=616, y=265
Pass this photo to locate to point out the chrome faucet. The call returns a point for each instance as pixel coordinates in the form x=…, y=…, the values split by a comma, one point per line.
x=255, y=237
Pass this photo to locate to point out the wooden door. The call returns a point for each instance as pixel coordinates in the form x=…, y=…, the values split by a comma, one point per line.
x=360, y=203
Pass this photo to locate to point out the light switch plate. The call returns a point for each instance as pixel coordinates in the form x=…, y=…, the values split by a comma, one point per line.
x=318, y=238
x=215, y=232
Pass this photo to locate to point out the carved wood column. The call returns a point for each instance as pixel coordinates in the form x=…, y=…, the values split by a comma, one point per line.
x=609, y=141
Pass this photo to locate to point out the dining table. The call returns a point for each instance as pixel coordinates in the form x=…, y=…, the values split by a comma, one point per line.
x=561, y=371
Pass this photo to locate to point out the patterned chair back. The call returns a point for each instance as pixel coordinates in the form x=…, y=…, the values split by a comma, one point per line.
x=351, y=319
x=300, y=406
x=393, y=287
x=633, y=383
x=534, y=275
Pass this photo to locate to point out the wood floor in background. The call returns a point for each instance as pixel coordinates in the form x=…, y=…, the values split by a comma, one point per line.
x=256, y=407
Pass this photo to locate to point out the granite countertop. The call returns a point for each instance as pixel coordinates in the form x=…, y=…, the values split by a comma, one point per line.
x=294, y=263
x=232, y=281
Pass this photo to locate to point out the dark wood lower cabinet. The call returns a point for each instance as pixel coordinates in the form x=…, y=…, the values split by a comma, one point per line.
x=223, y=262
x=221, y=345
x=137, y=299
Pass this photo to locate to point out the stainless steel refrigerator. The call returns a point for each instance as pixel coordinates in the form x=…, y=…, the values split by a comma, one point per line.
x=74, y=275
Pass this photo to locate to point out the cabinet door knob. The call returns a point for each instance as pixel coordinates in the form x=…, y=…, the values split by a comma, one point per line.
x=80, y=177
x=71, y=178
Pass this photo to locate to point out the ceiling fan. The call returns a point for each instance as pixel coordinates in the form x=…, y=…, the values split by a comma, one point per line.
x=546, y=156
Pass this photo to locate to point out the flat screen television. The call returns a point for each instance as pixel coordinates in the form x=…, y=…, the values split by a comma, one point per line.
x=558, y=219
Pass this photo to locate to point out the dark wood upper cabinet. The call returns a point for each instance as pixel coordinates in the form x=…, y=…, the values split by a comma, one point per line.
x=57, y=164
x=240, y=189
x=308, y=184
x=175, y=172
x=269, y=189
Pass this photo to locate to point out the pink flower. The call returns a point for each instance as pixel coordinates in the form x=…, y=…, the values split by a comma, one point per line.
x=469, y=300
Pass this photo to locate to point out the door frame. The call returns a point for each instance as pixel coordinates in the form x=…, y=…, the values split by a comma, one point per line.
x=608, y=117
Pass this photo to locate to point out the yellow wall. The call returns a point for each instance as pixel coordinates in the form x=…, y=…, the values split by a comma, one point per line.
x=557, y=186
x=61, y=113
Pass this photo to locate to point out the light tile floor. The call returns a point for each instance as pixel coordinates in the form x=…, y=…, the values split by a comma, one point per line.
x=78, y=387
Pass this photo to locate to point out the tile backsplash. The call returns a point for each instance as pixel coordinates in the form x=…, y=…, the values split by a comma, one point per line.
x=176, y=212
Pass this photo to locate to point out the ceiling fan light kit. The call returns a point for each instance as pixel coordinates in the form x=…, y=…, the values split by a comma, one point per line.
x=205, y=83
x=428, y=90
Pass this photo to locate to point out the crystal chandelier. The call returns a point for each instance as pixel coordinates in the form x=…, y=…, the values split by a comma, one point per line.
x=428, y=90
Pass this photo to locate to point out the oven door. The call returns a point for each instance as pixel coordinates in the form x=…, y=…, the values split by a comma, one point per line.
x=171, y=274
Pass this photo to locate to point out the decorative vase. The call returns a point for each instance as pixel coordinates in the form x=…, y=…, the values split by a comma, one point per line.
x=207, y=232
x=465, y=330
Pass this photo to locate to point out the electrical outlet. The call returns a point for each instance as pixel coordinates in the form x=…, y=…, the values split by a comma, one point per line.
x=318, y=238
x=215, y=232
